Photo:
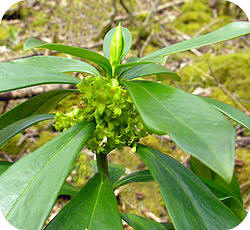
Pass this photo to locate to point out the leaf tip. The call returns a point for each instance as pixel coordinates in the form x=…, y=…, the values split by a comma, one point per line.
x=32, y=43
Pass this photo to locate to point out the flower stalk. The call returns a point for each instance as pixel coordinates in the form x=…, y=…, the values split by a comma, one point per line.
x=102, y=163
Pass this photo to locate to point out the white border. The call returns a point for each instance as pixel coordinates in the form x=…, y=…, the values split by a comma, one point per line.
x=243, y=4
x=5, y=5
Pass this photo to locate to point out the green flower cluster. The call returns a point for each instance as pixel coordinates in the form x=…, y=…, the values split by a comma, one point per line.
x=107, y=104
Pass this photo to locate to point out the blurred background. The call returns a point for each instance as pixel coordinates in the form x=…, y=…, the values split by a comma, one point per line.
x=219, y=71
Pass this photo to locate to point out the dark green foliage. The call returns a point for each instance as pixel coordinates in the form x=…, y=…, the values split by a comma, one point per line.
x=117, y=111
x=86, y=210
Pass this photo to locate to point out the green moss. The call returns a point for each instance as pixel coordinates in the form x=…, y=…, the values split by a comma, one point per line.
x=82, y=170
x=40, y=20
x=150, y=49
x=195, y=15
x=4, y=33
x=45, y=136
x=198, y=6
x=142, y=16
x=231, y=70
x=243, y=172
x=40, y=23
x=127, y=159
x=18, y=47
x=164, y=146
x=140, y=197
x=70, y=101
x=24, y=12
x=12, y=147
x=137, y=197
x=222, y=21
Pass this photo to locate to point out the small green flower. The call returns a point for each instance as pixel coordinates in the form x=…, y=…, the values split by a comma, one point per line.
x=106, y=103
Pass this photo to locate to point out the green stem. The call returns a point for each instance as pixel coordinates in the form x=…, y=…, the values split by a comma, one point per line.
x=102, y=163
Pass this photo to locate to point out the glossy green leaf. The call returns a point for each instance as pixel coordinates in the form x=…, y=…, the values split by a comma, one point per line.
x=190, y=204
x=37, y=178
x=141, y=223
x=129, y=60
x=58, y=64
x=75, y=51
x=17, y=127
x=226, y=196
x=138, y=176
x=227, y=32
x=4, y=165
x=168, y=226
x=94, y=207
x=150, y=69
x=128, y=65
x=192, y=123
x=115, y=171
x=230, y=111
x=16, y=76
x=40, y=104
x=229, y=193
x=229, y=189
x=132, y=59
x=235, y=206
x=108, y=37
x=67, y=189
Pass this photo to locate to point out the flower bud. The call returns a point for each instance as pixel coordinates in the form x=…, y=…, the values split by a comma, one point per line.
x=116, y=47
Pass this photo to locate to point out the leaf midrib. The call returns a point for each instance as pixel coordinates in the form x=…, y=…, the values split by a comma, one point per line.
x=95, y=205
x=96, y=56
x=176, y=118
x=177, y=181
x=123, y=181
x=39, y=172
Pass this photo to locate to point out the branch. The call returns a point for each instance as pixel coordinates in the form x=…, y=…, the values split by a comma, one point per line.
x=125, y=7
x=145, y=44
x=224, y=89
x=110, y=22
x=31, y=92
x=158, y=9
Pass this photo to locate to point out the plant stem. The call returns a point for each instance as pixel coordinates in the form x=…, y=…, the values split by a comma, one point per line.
x=102, y=163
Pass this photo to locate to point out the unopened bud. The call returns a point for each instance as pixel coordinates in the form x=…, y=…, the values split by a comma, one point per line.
x=117, y=47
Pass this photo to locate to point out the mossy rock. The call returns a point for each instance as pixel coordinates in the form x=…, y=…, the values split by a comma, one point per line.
x=243, y=172
x=126, y=158
x=82, y=169
x=137, y=197
x=231, y=70
x=66, y=104
x=164, y=146
x=199, y=6
x=140, y=197
x=196, y=15
x=45, y=136
x=12, y=147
